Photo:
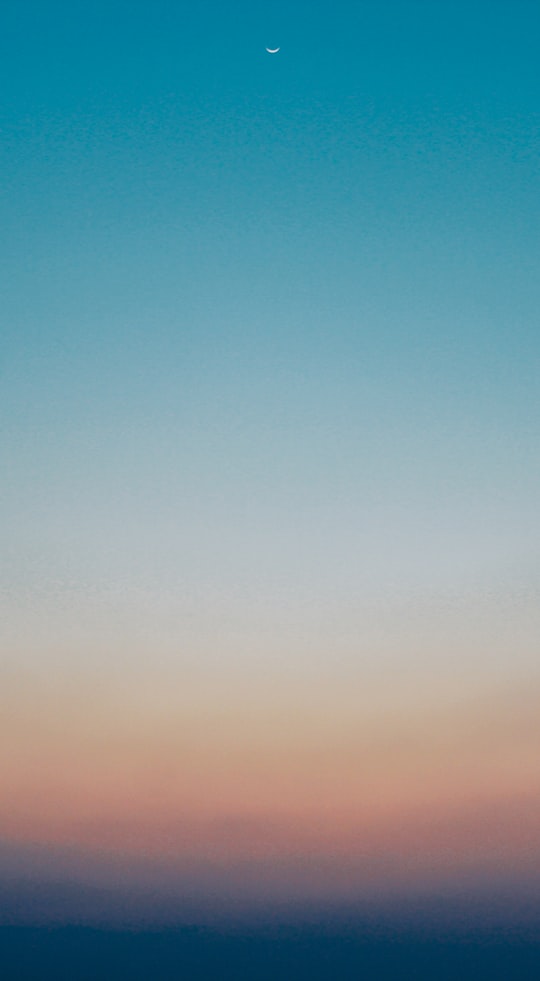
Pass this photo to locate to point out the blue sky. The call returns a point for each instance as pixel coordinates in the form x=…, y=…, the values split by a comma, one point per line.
x=262, y=292
x=292, y=276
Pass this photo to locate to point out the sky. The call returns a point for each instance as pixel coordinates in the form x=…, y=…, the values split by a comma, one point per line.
x=270, y=423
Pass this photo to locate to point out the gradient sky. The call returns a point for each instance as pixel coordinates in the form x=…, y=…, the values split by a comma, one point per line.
x=270, y=403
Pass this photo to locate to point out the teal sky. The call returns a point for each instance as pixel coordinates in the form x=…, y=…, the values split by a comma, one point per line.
x=270, y=427
x=270, y=322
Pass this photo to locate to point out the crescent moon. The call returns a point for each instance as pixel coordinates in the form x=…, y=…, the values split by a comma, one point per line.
x=272, y=51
